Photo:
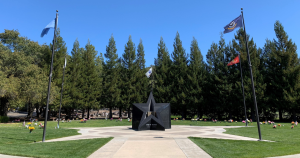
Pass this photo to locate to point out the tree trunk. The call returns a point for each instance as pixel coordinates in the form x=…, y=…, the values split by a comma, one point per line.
x=199, y=112
x=294, y=116
x=37, y=110
x=4, y=105
x=120, y=112
x=280, y=115
x=129, y=114
x=110, y=113
x=88, y=113
x=219, y=116
x=41, y=110
x=252, y=114
x=82, y=116
x=183, y=113
x=30, y=110
x=230, y=115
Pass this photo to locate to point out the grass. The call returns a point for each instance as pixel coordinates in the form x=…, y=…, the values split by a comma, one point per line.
x=16, y=140
x=63, y=149
x=205, y=123
x=91, y=123
x=286, y=142
x=115, y=122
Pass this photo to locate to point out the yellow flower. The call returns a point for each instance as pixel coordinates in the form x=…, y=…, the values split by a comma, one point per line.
x=29, y=123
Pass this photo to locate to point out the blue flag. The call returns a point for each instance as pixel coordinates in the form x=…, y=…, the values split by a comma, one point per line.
x=47, y=28
x=237, y=22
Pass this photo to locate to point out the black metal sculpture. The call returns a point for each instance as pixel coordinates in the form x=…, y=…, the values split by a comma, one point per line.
x=151, y=115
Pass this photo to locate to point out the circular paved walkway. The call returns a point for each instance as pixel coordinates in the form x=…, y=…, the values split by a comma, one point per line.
x=150, y=143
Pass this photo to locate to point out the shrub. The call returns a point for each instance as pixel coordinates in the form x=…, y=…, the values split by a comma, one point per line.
x=4, y=119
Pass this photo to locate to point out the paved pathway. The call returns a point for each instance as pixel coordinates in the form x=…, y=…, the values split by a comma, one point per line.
x=159, y=144
x=175, y=132
x=9, y=156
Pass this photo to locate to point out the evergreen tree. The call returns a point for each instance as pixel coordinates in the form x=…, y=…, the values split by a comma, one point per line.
x=111, y=79
x=142, y=81
x=91, y=81
x=162, y=91
x=179, y=75
x=219, y=85
x=130, y=75
x=74, y=78
x=100, y=75
x=196, y=78
x=240, y=46
x=283, y=70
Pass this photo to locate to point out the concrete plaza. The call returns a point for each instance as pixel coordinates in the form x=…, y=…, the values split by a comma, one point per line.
x=174, y=142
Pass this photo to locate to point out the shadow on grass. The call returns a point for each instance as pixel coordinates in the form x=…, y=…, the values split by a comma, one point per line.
x=17, y=139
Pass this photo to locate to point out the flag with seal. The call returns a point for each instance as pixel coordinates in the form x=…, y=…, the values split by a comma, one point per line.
x=237, y=22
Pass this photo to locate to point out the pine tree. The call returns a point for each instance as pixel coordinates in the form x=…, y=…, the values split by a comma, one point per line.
x=73, y=78
x=91, y=83
x=130, y=72
x=179, y=76
x=111, y=83
x=240, y=46
x=283, y=70
x=196, y=78
x=219, y=85
x=235, y=103
x=100, y=75
x=142, y=81
x=162, y=89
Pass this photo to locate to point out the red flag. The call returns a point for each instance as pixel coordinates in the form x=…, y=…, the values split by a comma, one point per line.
x=234, y=61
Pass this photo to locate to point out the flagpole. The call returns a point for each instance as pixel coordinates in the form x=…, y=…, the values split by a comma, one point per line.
x=252, y=82
x=62, y=89
x=49, y=84
x=243, y=89
x=152, y=82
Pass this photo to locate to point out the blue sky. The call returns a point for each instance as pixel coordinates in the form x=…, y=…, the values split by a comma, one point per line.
x=149, y=20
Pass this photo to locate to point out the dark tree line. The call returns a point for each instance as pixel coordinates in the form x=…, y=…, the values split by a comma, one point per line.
x=194, y=87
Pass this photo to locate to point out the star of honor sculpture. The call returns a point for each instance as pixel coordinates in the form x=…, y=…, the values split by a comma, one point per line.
x=151, y=115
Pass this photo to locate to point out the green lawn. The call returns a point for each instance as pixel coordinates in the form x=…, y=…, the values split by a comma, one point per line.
x=207, y=123
x=63, y=149
x=107, y=123
x=115, y=122
x=16, y=140
x=287, y=142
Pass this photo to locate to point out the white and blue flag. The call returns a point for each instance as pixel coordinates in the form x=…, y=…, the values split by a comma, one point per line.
x=65, y=63
x=47, y=28
x=149, y=72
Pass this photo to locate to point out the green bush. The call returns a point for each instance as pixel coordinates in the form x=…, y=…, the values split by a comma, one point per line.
x=4, y=119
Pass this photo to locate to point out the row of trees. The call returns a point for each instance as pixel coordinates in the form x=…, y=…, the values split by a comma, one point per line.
x=192, y=86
